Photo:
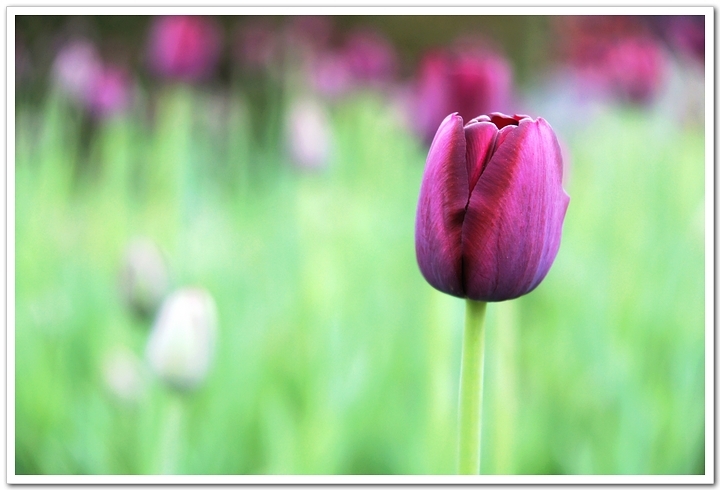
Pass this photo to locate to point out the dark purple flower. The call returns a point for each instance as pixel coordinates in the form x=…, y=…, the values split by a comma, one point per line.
x=686, y=33
x=491, y=207
x=469, y=83
x=184, y=47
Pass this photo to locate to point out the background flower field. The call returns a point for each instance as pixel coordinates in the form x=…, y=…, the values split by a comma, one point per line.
x=279, y=170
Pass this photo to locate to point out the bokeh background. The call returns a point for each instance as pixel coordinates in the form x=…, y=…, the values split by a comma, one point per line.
x=272, y=165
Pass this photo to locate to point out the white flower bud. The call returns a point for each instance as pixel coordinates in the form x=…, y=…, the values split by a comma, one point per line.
x=182, y=340
x=144, y=276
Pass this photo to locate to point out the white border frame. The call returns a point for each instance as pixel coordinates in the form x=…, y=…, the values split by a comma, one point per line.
x=709, y=476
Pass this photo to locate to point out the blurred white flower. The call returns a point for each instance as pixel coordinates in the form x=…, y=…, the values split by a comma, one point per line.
x=122, y=372
x=143, y=276
x=182, y=341
x=308, y=134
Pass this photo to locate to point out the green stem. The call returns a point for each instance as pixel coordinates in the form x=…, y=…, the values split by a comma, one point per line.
x=171, y=436
x=471, y=387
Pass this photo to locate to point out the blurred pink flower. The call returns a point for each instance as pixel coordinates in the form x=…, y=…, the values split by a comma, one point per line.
x=331, y=75
x=184, y=47
x=75, y=69
x=471, y=83
x=110, y=93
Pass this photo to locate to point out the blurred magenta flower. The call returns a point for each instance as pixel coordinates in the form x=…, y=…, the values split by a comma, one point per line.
x=186, y=48
x=491, y=206
x=468, y=82
x=110, y=93
x=76, y=68
x=635, y=68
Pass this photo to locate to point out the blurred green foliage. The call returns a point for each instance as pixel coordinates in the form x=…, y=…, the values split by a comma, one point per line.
x=334, y=355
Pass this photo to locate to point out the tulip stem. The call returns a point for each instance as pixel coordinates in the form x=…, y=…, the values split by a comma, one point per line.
x=170, y=438
x=471, y=388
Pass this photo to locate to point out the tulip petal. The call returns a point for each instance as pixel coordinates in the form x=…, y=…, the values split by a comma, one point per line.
x=441, y=209
x=480, y=141
x=511, y=232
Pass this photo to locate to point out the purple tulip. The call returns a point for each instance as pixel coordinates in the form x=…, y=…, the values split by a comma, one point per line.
x=491, y=206
x=184, y=47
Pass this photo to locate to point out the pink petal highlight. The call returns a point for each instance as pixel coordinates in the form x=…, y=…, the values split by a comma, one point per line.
x=480, y=140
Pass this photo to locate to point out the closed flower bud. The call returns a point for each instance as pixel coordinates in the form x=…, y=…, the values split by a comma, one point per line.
x=182, y=341
x=491, y=207
x=143, y=277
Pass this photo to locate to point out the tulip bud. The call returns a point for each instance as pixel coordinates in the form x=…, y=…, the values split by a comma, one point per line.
x=491, y=207
x=143, y=277
x=182, y=341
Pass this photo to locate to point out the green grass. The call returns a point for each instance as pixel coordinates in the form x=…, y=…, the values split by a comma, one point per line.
x=334, y=355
